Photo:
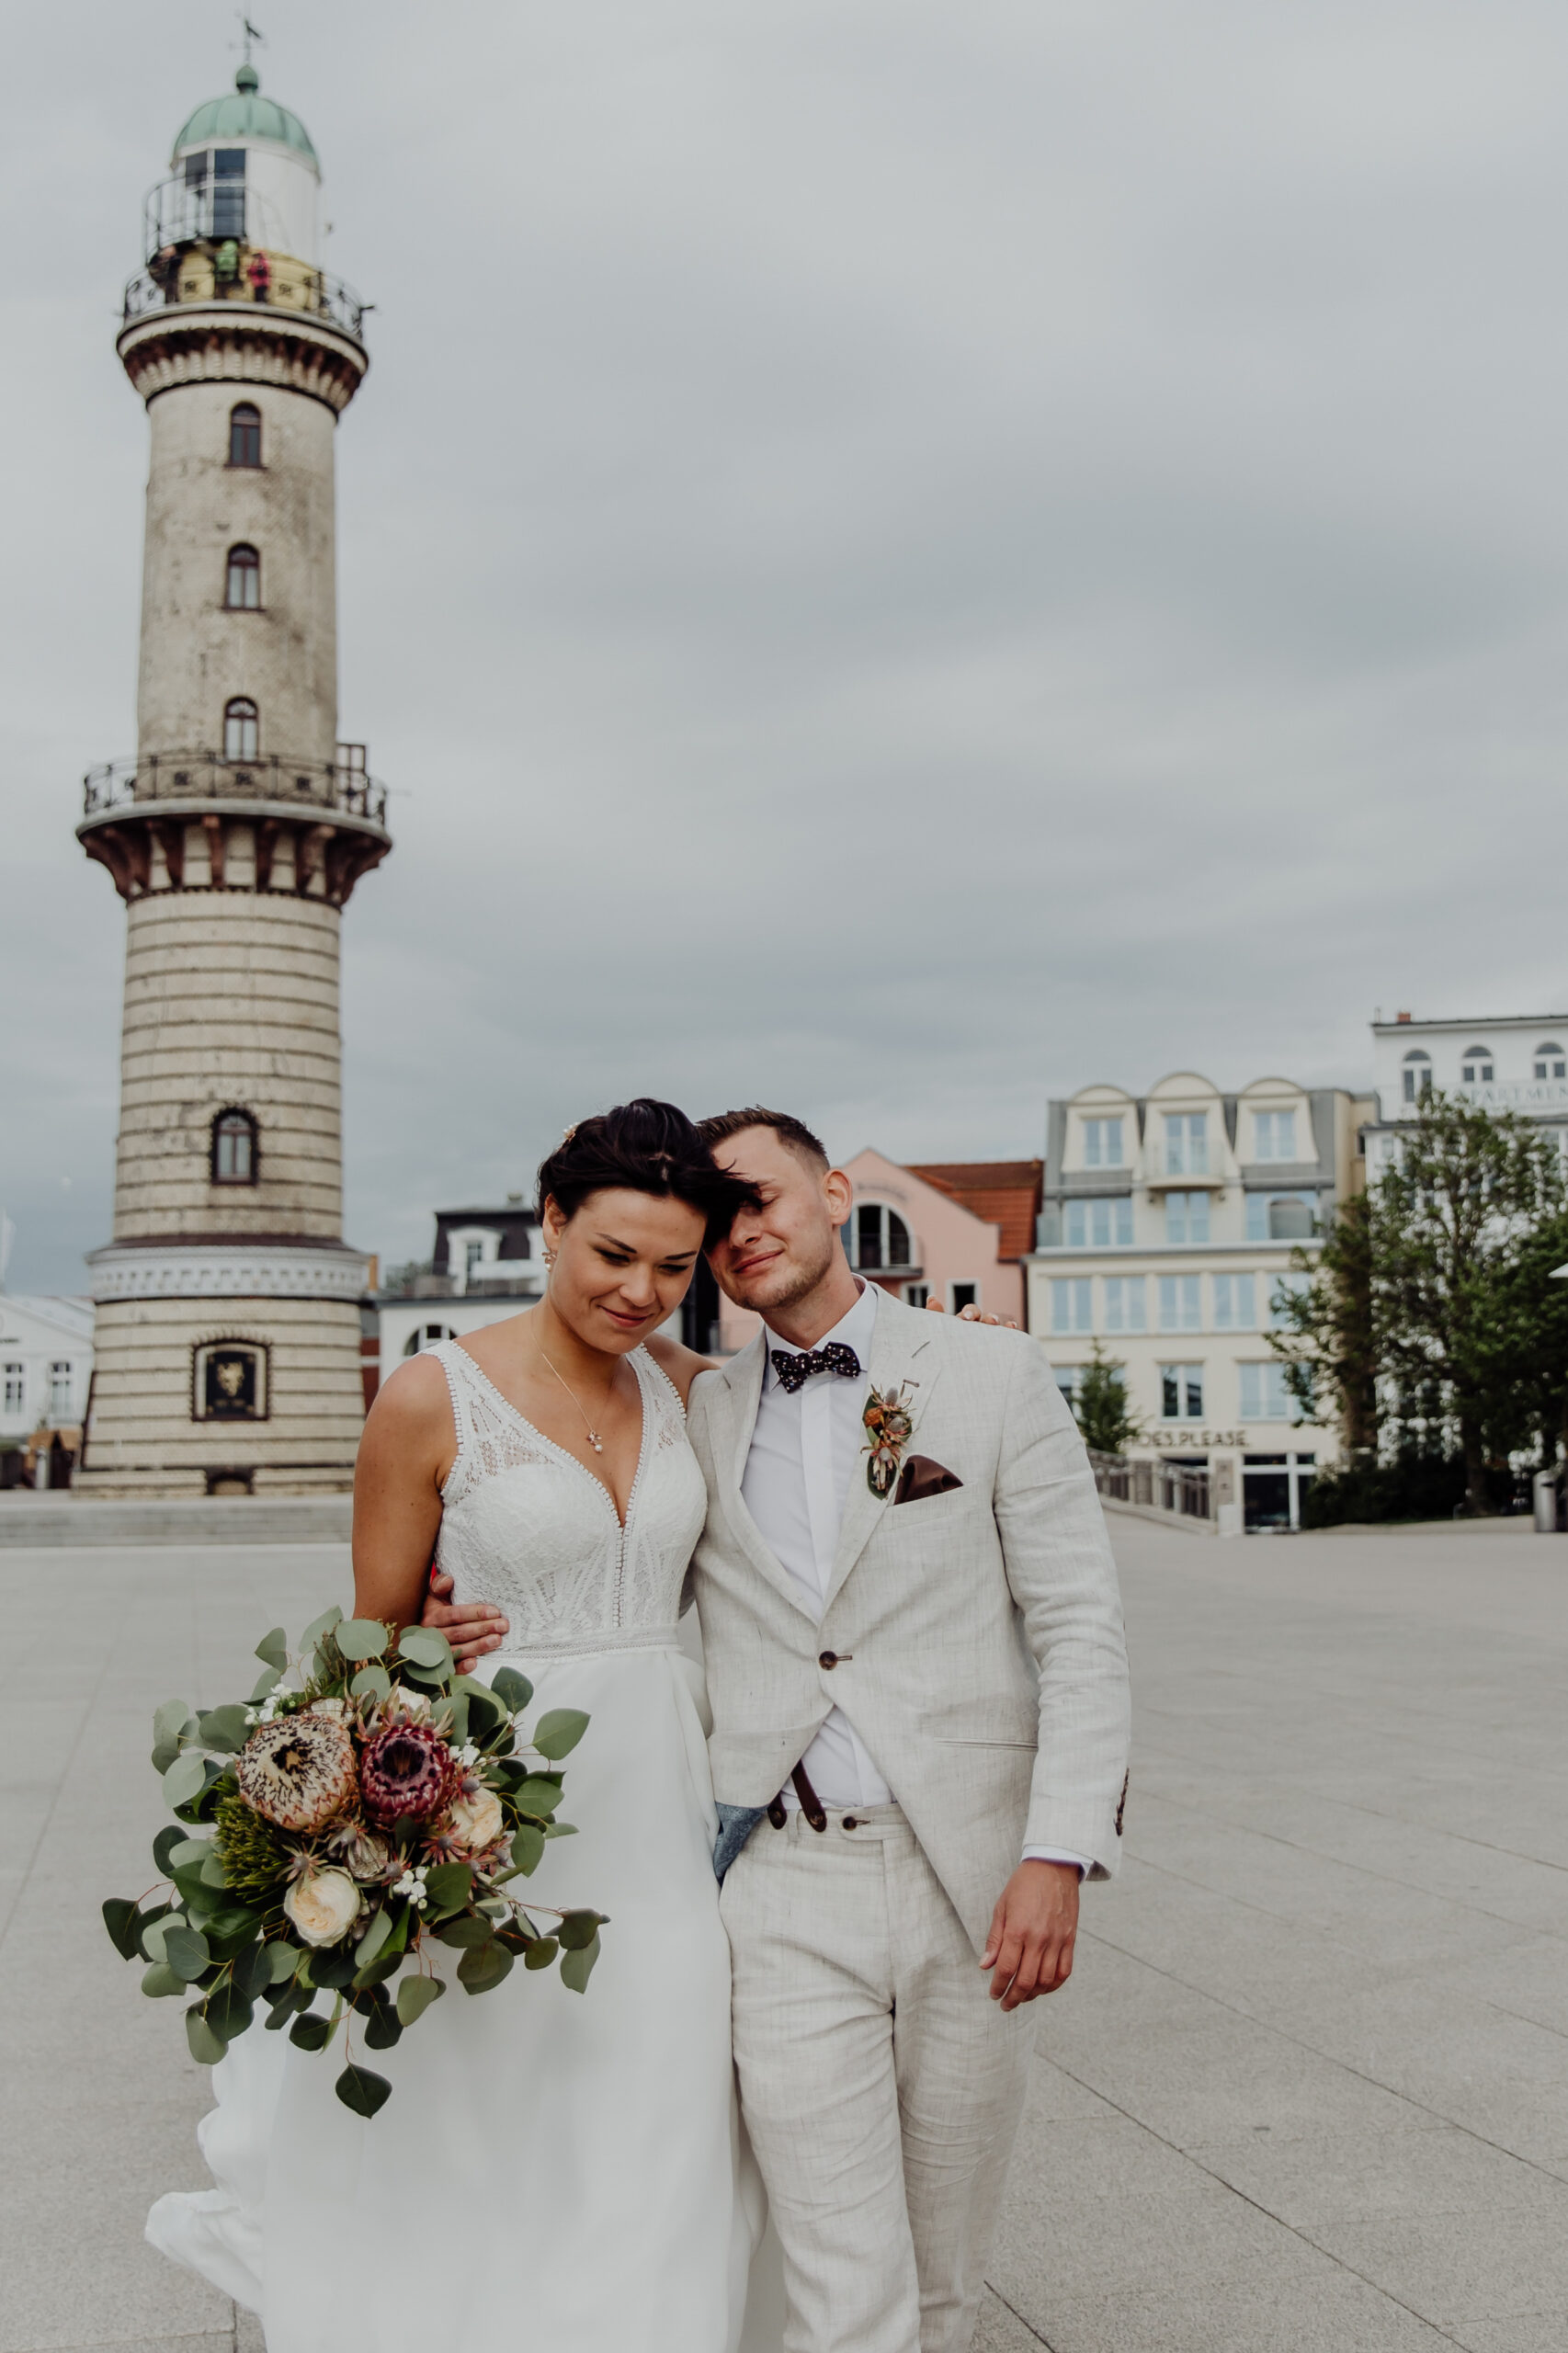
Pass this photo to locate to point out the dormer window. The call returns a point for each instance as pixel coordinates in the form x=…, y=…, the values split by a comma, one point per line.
x=241, y=588
x=1418, y=1076
x=1273, y=1135
x=1477, y=1066
x=1186, y=1143
x=235, y=1153
x=1550, y=1061
x=1102, y=1143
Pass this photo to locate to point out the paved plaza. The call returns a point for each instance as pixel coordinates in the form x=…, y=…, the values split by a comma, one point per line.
x=1308, y=2090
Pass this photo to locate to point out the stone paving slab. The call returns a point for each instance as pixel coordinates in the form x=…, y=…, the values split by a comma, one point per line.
x=1307, y=2092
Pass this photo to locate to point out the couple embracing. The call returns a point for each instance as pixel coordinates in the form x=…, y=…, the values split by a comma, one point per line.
x=840, y=1861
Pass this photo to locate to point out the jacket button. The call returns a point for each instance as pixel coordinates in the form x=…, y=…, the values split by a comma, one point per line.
x=828, y=1658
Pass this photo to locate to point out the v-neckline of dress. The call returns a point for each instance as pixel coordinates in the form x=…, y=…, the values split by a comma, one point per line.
x=566, y=1453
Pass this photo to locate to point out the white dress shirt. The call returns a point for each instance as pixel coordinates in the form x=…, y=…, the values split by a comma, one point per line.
x=806, y=1446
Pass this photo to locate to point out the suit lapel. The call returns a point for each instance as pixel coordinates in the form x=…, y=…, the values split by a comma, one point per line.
x=903, y=1349
x=732, y=1418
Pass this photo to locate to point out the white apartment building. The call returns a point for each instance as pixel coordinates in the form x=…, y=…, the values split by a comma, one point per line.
x=46, y=1370
x=1510, y=1063
x=1166, y=1232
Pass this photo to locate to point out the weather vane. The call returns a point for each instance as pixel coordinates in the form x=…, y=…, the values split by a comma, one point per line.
x=251, y=33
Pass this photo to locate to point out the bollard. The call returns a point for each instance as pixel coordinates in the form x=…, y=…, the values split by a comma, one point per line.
x=1546, y=1503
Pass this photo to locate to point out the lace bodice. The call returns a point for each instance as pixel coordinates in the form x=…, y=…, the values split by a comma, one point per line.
x=526, y=1525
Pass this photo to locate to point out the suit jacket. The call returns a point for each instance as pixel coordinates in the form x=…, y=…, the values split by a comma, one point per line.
x=973, y=1637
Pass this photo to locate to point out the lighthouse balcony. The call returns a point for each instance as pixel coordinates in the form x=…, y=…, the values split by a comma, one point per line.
x=183, y=276
x=341, y=786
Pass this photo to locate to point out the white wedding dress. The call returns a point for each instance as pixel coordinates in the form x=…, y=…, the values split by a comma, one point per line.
x=552, y=2168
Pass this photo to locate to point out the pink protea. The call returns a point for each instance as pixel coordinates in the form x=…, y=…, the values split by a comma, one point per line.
x=406, y=1773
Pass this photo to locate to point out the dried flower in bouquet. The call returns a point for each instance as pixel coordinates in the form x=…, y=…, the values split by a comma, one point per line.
x=366, y=1808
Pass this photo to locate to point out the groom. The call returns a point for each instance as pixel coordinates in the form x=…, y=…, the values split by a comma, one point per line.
x=915, y=1658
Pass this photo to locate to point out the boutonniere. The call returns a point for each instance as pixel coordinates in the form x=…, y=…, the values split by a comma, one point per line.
x=888, y=1424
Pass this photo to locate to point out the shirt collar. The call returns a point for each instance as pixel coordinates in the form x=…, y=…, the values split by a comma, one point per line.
x=854, y=1330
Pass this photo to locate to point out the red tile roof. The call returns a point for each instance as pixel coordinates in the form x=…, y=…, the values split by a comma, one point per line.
x=1003, y=1192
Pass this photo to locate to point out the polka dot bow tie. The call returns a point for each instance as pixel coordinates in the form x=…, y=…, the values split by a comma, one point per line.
x=794, y=1371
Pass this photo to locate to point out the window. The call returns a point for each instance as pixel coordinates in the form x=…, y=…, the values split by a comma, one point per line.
x=1264, y=1397
x=1273, y=1135
x=1187, y=1217
x=1125, y=1309
x=1102, y=1143
x=1100, y=1225
x=1181, y=1303
x=427, y=1336
x=228, y=192
x=1181, y=1393
x=16, y=1388
x=1235, y=1304
x=1286, y=1287
x=60, y=1392
x=1550, y=1061
x=1281, y=1217
x=882, y=1237
x=245, y=434
x=241, y=590
x=473, y=1256
x=961, y=1295
x=242, y=730
x=234, y=1148
x=1186, y=1143
x=1418, y=1076
x=1069, y=1310
x=229, y=1383
x=917, y=1294
x=1477, y=1066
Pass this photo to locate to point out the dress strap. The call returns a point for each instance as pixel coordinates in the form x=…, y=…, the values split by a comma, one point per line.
x=455, y=1362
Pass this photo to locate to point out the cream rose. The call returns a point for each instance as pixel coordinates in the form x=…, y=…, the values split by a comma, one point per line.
x=323, y=1907
x=476, y=1823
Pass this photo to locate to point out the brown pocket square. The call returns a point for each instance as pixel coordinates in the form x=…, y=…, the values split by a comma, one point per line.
x=922, y=1475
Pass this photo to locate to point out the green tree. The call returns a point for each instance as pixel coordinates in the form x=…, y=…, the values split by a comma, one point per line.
x=1104, y=1408
x=1434, y=1298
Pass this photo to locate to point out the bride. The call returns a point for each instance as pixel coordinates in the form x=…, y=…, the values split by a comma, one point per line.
x=561, y=2167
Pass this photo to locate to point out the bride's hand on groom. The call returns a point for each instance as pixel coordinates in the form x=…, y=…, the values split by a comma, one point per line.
x=973, y=1314
x=471, y=1627
x=1030, y=1949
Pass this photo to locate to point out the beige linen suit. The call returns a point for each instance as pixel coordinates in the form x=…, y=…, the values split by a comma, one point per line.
x=973, y=1638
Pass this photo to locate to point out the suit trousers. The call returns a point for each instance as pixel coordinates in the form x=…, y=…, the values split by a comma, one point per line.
x=880, y=2085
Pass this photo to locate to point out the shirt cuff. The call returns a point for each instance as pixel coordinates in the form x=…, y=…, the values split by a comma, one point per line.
x=1083, y=1864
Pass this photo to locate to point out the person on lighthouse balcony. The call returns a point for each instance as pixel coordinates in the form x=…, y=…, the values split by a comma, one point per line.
x=841, y=1858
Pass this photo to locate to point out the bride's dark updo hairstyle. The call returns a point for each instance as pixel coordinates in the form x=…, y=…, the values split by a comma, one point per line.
x=643, y=1147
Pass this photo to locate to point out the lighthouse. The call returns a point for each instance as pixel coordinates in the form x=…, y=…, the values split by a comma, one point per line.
x=227, y=1349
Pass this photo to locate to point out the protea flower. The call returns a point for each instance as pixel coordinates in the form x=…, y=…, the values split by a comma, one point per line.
x=298, y=1772
x=406, y=1773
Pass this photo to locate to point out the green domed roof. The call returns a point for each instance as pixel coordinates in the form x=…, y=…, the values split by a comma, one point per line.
x=245, y=114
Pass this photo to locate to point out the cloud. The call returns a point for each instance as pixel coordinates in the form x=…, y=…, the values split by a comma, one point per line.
x=897, y=560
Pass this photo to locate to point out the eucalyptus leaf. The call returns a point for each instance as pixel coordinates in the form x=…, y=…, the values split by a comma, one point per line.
x=447, y=1886
x=225, y=1728
x=360, y=1638
x=362, y=2091
x=146, y=1922
x=265, y=1685
x=160, y=1980
x=561, y=1830
x=206, y=2047
x=316, y=1629
x=253, y=1970
x=212, y=1872
x=426, y=1646
x=229, y=1925
x=416, y=1994
x=577, y=1968
x=171, y=1721
x=480, y=1970
x=190, y=1853
x=372, y=1682
x=152, y=1935
x=273, y=1649
x=513, y=1690
x=541, y=1953
x=384, y=2028
x=282, y=1960
x=169, y=1839
x=466, y=1929
x=228, y=2011
x=579, y=1928
x=374, y=1938
x=538, y=1795
x=558, y=1732
x=185, y=1780
x=163, y=1755
x=528, y=1846
x=186, y=1950
x=333, y=1967
x=120, y=1916
x=310, y=2033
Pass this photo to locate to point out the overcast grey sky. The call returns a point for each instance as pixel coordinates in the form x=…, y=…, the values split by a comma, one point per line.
x=897, y=557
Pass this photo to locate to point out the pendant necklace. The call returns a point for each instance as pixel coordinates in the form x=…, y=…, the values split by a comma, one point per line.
x=594, y=1440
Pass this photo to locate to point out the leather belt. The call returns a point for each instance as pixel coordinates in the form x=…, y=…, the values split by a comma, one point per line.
x=811, y=1804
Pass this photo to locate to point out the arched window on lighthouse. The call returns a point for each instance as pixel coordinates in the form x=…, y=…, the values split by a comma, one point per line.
x=242, y=590
x=235, y=1154
x=242, y=730
x=245, y=434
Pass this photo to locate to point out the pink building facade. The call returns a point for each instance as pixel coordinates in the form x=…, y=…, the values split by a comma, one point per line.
x=955, y=1232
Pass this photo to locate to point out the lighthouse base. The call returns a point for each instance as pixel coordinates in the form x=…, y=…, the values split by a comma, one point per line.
x=217, y=1396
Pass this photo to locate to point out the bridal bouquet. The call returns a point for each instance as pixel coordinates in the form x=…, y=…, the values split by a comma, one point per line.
x=360, y=1816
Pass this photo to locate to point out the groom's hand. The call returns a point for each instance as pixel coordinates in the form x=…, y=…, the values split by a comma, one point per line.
x=1030, y=1949
x=471, y=1627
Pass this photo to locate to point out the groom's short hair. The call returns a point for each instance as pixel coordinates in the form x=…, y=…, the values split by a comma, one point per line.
x=790, y=1132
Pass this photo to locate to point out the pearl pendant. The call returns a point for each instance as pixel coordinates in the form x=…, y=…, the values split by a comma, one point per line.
x=596, y=1443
